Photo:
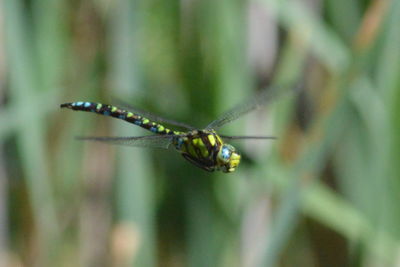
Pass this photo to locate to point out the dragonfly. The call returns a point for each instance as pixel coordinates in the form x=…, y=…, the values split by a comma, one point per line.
x=204, y=148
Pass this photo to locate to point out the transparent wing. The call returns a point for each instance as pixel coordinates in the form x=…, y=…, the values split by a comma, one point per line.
x=259, y=100
x=248, y=137
x=154, y=141
x=151, y=116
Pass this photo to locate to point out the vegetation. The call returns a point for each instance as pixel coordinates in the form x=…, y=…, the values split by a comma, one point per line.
x=326, y=193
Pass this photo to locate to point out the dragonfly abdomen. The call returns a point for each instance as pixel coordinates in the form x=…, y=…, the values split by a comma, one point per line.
x=113, y=111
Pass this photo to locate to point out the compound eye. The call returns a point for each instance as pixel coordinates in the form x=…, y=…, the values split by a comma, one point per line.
x=226, y=153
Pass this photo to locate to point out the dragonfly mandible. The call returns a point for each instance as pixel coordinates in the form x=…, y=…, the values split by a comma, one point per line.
x=205, y=148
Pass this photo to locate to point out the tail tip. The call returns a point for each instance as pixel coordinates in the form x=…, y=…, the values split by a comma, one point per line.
x=65, y=105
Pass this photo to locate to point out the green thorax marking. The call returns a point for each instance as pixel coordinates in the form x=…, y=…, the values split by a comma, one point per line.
x=200, y=147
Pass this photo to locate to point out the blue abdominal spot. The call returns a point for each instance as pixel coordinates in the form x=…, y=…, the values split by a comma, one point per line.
x=179, y=143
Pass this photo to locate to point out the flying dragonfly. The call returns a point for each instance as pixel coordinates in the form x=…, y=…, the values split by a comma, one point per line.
x=204, y=148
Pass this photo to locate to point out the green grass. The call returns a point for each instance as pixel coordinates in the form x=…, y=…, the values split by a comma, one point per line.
x=325, y=193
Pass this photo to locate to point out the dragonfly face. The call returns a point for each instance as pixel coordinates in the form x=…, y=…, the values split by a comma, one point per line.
x=228, y=158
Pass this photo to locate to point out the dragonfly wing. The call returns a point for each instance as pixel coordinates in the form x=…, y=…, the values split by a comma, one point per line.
x=154, y=141
x=151, y=116
x=259, y=100
x=248, y=137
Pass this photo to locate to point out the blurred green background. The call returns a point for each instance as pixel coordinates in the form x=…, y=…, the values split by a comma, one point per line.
x=326, y=193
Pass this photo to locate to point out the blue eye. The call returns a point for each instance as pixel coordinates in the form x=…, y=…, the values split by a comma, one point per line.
x=225, y=153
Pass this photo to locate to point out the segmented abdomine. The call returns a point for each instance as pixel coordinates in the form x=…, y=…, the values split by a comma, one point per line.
x=113, y=111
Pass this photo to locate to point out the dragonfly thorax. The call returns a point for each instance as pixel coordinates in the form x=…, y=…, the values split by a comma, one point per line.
x=205, y=149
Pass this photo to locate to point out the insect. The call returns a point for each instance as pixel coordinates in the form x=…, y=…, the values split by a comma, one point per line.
x=205, y=148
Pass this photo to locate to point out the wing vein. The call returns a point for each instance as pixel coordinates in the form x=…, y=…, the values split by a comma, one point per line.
x=152, y=116
x=249, y=137
x=259, y=100
x=155, y=141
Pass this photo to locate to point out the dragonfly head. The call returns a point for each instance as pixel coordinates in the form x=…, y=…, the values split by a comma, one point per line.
x=228, y=158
